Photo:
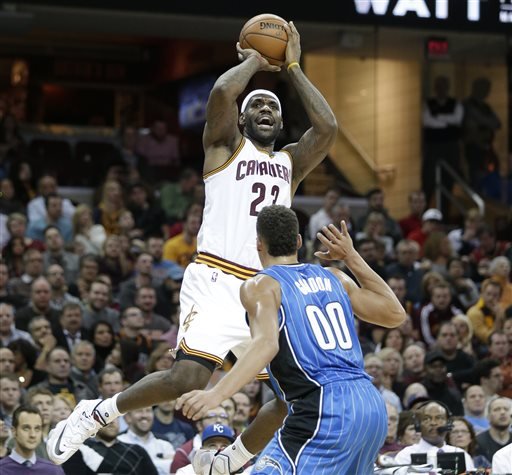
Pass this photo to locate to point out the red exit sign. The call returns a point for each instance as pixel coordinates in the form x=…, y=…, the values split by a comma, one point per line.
x=437, y=48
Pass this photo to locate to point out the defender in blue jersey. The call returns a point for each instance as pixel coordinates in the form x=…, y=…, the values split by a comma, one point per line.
x=302, y=325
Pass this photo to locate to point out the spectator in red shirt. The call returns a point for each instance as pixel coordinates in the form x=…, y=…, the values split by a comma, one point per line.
x=417, y=205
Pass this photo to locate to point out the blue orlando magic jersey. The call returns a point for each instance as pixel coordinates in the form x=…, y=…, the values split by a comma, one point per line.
x=318, y=342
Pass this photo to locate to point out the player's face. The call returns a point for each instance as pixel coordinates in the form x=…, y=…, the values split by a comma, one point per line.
x=262, y=119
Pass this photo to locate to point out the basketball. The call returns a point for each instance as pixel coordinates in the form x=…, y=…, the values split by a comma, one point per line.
x=266, y=34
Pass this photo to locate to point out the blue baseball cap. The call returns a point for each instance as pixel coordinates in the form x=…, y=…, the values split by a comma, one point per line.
x=218, y=430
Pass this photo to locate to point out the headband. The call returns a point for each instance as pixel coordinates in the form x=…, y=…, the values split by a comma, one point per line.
x=256, y=92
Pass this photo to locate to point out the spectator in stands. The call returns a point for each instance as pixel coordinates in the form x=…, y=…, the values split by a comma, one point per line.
x=97, y=307
x=137, y=166
x=88, y=270
x=27, y=434
x=489, y=248
x=465, y=239
x=23, y=181
x=367, y=248
x=154, y=324
x=376, y=200
x=407, y=253
x=33, y=268
x=53, y=217
x=103, y=339
x=406, y=431
x=140, y=433
x=59, y=381
x=142, y=278
x=161, y=268
x=168, y=427
x=10, y=396
x=107, y=454
x=374, y=367
x=39, y=304
x=464, y=290
x=114, y=262
x=5, y=435
x=160, y=358
x=431, y=220
x=61, y=409
x=439, y=385
x=83, y=358
x=13, y=253
x=474, y=408
x=489, y=376
x=6, y=361
x=375, y=228
x=414, y=369
x=25, y=354
x=185, y=453
x=183, y=247
x=59, y=294
x=8, y=331
x=56, y=254
x=86, y=234
x=439, y=309
x=463, y=435
x=479, y=126
x=464, y=330
x=17, y=227
x=458, y=363
x=46, y=185
x=487, y=314
x=110, y=207
x=176, y=197
x=391, y=445
x=499, y=412
x=442, y=128
x=324, y=215
x=161, y=150
x=437, y=251
x=148, y=215
x=132, y=329
x=499, y=271
x=42, y=400
x=414, y=395
x=417, y=205
x=392, y=370
x=214, y=437
x=498, y=348
x=9, y=201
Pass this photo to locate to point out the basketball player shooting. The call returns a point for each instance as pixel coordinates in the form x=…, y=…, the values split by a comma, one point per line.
x=242, y=174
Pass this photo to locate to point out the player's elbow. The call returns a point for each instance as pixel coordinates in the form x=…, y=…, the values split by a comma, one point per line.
x=396, y=317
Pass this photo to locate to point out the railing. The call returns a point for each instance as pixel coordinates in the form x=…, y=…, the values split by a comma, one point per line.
x=441, y=191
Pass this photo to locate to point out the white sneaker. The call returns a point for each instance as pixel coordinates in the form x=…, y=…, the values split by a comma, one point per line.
x=69, y=434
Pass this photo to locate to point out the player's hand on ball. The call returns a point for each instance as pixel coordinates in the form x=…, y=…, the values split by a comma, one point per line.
x=244, y=53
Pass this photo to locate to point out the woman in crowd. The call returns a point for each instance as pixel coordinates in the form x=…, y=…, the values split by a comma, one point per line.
x=25, y=357
x=23, y=180
x=160, y=358
x=437, y=250
x=392, y=370
x=13, y=253
x=465, y=335
x=110, y=207
x=464, y=290
x=499, y=271
x=89, y=235
x=407, y=433
x=103, y=339
x=62, y=408
x=463, y=435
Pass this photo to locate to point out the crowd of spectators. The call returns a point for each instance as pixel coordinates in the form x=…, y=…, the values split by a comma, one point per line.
x=89, y=304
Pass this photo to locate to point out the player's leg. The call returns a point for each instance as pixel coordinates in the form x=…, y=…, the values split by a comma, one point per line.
x=90, y=415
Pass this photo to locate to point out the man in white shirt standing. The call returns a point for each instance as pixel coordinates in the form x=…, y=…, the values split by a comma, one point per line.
x=139, y=432
x=433, y=419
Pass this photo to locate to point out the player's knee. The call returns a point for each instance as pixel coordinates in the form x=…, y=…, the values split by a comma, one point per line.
x=185, y=376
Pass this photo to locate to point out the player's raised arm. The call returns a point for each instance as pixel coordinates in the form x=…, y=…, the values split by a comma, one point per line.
x=374, y=301
x=221, y=130
x=316, y=142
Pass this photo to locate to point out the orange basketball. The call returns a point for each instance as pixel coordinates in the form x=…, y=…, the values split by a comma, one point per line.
x=266, y=34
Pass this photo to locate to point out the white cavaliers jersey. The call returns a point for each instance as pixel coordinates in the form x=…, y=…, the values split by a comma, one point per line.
x=235, y=193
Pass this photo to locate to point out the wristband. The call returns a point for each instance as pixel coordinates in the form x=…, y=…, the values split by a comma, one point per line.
x=292, y=64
